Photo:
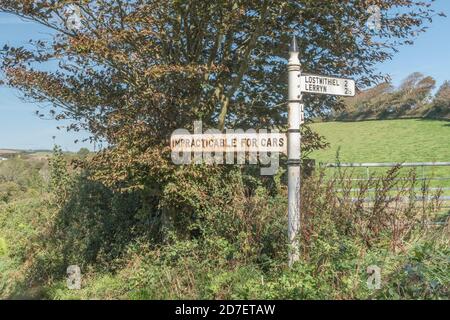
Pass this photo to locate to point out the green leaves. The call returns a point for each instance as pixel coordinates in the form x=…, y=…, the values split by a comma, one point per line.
x=136, y=71
x=3, y=247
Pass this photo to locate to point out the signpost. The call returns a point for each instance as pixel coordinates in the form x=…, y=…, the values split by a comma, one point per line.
x=295, y=115
x=229, y=142
x=299, y=84
x=327, y=85
x=276, y=142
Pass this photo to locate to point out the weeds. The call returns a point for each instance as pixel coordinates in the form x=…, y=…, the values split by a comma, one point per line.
x=221, y=234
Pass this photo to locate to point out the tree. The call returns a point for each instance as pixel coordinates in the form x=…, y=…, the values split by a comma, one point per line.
x=416, y=89
x=442, y=97
x=414, y=92
x=372, y=98
x=133, y=71
x=410, y=82
x=424, y=89
x=83, y=152
x=411, y=98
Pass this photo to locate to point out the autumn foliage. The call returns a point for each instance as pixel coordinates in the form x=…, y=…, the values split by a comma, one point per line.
x=136, y=70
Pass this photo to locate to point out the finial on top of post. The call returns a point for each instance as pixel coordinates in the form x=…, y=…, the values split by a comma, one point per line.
x=294, y=47
x=293, y=54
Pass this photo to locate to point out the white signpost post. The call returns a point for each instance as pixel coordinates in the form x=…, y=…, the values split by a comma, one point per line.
x=275, y=142
x=295, y=116
x=299, y=84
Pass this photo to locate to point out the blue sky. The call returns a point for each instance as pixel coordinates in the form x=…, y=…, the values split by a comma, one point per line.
x=20, y=128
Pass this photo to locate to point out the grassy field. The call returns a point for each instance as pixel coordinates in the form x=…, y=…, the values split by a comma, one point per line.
x=385, y=141
x=397, y=141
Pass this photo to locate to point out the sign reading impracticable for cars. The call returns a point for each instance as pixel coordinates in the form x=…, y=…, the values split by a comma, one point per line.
x=230, y=142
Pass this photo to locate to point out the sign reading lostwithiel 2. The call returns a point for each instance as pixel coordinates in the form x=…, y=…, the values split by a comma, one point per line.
x=230, y=142
x=327, y=85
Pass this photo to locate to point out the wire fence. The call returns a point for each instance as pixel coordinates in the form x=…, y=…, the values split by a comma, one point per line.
x=438, y=178
x=369, y=165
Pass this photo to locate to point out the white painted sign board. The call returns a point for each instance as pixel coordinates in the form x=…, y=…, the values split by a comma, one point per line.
x=311, y=83
x=230, y=142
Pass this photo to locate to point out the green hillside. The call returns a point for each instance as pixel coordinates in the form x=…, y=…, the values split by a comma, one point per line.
x=411, y=140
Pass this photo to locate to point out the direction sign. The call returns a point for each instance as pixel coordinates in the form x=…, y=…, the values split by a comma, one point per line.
x=327, y=85
x=230, y=142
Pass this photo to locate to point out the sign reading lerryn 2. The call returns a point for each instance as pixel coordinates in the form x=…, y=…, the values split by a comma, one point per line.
x=231, y=142
x=327, y=85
